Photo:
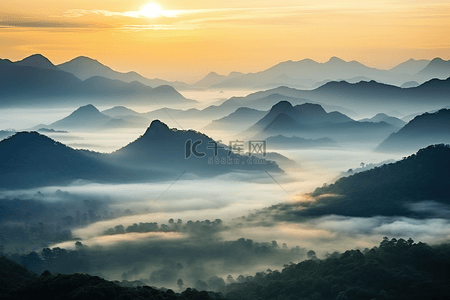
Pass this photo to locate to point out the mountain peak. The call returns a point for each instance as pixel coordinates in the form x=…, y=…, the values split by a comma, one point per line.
x=335, y=59
x=281, y=106
x=84, y=59
x=437, y=60
x=310, y=108
x=157, y=127
x=27, y=139
x=37, y=61
x=87, y=109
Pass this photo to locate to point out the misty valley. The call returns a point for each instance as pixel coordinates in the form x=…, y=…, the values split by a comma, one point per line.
x=305, y=180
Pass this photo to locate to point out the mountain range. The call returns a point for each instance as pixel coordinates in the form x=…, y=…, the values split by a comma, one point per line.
x=362, y=97
x=394, y=189
x=385, y=118
x=423, y=130
x=312, y=121
x=307, y=73
x=84, y=68
x=36, y=81
x=185, y=151
x=30, y=159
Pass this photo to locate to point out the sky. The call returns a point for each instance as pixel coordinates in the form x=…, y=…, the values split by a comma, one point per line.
x=185, y=40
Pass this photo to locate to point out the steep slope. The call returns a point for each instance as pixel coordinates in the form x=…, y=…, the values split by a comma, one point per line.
x=184, y=151
x=29, y=159
x=312, y=121
x=84, y=67
x=238, y=120
x=410, y=66
x=85, y=117
x=36, y=83
x=423, y=130
x=37, y=61
x=437, y=68
x=385, y=118
x=389, y=190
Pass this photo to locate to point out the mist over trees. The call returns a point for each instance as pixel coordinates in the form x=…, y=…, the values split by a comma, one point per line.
x=396, y=269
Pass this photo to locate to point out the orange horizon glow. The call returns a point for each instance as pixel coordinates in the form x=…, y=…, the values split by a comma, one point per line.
x=174, y=40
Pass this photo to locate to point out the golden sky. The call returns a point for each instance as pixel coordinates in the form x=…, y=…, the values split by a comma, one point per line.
x=184, y=40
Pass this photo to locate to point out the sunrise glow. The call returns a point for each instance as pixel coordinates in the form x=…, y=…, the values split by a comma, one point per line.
x=151, y=10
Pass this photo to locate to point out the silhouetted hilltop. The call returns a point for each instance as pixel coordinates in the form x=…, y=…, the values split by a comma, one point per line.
x=389, y=190
x=37, y=61
x=211, y=79
x=396, y=269
x=363, y=96
x=411, y=66
x=280, y=118
x=31, y=159
x=12, y=275
x=310, y=120
x=176, y=150
x=437, y=68
x=423, y=130
x=385, y=118
x=238, y=120
x=34, y=82
x=84, y=67
x=88, y=117
x=118, y=111
x=307, y=72
x=82, y=286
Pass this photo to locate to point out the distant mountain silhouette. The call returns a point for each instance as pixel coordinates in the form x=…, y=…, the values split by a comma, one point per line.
x=412, y=116
x=126, y=114
x=365, y=96
x=6, y=133
x=437, y=68
x=389, y=190
x=29, y=159
x=264, y=100
x=238, y=120
x=385, y=118
x=211, y=79
x=175, y=150
x=118, y=111
x=423, y=130
x=312, y=121
x=84, y=67
x=37, y=61
x=308, y=72
x=31, y=85
x=87, y=117
x=410, y=66
x=284, y=116
x=349, y=80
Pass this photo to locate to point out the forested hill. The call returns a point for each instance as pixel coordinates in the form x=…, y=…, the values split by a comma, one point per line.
x=17, y=283
x=397, y=269
x=387, y=190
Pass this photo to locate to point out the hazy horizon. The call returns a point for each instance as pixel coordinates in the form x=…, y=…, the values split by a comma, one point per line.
x=185, y=41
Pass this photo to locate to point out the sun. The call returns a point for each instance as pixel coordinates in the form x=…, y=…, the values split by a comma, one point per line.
x=151, y=10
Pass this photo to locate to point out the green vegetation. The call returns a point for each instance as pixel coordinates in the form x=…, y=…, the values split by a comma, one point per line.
x=397, y=269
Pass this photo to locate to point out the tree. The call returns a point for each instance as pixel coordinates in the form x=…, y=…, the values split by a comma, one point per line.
x=180, y=283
